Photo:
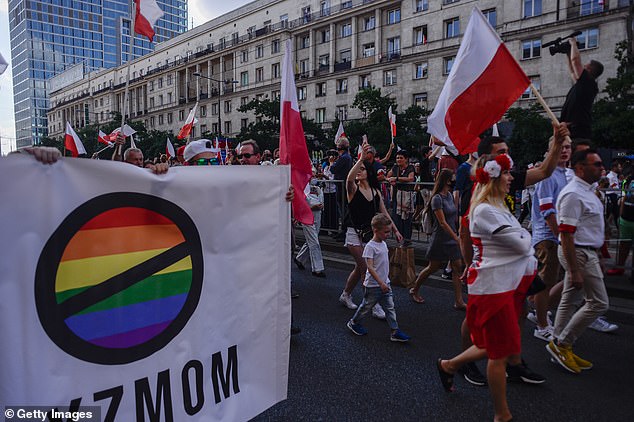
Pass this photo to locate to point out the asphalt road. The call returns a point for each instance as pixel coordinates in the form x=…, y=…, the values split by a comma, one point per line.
x=337, y=376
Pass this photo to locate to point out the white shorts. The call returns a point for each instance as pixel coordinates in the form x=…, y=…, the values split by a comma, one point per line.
x=352, y=238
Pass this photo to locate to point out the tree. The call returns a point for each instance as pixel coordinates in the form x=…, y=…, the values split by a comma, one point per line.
x=531, y=131
x=613, y=117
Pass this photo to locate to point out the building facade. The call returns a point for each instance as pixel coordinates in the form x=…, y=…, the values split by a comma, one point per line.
x=405, y=47
x=50, y=36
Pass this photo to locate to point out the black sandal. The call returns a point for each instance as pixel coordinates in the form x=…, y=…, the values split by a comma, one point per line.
x=445, y=377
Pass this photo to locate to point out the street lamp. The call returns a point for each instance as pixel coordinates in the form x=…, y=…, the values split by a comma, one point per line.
x=226, y=81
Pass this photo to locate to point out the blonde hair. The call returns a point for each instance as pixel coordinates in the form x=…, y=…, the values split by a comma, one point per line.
x=491, y=193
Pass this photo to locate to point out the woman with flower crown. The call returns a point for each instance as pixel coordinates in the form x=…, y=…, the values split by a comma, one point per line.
x=501, y=272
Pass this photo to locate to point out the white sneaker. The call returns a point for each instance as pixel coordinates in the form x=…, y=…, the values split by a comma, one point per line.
x=545, y=334
x=346, y=299
x=378, y=312
x=600, y=324
x=532, y=317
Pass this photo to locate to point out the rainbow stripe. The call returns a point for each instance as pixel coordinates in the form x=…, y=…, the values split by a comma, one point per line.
x=108, y=245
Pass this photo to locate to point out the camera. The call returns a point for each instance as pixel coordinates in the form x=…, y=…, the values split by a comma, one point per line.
x=559, y=46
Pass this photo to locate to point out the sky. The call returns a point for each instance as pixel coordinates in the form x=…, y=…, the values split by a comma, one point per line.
x=201, y=10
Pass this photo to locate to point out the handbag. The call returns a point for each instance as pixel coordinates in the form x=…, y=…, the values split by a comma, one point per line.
x=428, y=223
x=402, y=270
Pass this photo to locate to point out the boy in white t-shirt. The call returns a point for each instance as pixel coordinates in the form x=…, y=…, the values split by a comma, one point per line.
x=377, y=281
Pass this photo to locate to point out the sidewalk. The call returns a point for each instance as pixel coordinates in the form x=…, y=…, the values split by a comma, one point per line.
x=620, y=288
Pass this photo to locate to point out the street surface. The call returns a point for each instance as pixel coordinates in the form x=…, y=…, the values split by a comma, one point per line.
x=337, y=376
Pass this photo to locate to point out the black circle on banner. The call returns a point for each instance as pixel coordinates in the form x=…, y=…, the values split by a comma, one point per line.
x=53, y=318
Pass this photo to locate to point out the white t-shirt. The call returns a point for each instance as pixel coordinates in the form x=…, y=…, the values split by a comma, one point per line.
x=379, y=253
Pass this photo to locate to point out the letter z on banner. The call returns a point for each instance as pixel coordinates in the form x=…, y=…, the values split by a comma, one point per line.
x=145, y=295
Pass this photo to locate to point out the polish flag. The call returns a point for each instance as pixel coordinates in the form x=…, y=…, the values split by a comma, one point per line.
x=340, y=132
x=293, y=148
x=359, y=152
x=169, y=149
x=219, y=153
x=392, y=118
x=189, y=123
x=104, y=139
x=72, y=142
x=127, y=131
x=147, y=13
x=483, y=83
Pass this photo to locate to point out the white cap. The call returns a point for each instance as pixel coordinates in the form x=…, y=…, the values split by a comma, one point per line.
x=198, y=147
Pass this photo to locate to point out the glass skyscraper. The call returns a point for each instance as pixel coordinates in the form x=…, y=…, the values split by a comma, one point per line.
x=49, y=36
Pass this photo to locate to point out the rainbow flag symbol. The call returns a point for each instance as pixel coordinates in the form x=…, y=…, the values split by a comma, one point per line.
x=123, y=278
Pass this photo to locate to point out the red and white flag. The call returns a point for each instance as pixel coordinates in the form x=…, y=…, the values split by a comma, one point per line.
x=483, y=83
x=219, y=153
x=340, y=132
x=72, y=142
x=392, y=118
x=104, y=139
x=147, y=13
x=169, y=149
x=359, y=152
x=293, y=149
x=189, y=123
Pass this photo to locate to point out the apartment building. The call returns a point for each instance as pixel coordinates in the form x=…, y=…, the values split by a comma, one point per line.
x=405, y=47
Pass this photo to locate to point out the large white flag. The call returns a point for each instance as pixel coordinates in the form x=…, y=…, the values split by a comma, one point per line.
x=135, y=292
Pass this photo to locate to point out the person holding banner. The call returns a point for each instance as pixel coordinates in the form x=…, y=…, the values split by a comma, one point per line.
x=364, y=201
x=502, y=271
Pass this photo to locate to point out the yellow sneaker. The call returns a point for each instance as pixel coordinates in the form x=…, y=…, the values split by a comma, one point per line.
x=582, y=363
x=563, y=355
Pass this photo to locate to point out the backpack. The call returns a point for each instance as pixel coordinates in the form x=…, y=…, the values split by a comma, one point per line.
x=428, y=221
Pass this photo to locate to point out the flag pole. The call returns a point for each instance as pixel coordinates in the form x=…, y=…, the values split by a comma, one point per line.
x=541, y=100
x=126, y=94
x=103, y=149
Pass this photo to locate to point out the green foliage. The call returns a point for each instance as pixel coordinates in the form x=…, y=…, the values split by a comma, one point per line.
x=531, y=132
x=613, y=117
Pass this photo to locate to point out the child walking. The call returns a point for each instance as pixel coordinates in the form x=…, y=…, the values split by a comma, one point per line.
x=377, y=282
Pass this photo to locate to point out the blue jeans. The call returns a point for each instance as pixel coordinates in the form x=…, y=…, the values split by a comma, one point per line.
x=372, y=295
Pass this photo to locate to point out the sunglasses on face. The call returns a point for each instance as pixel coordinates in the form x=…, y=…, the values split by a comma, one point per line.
x=245, y=155
x=204, y=162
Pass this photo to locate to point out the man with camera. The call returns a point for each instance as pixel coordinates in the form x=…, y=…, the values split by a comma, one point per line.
x=577, y=109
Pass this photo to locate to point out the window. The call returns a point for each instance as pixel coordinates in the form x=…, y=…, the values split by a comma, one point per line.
x=393, y=16
x=275, y=46
x=452, y=28
x=152, y=121
x=170, y=118
x=320, y=115
x=345, y=56
x=160, y=100
x=393, y=48
x=259, y=74
x=301, y=92
x=304, y=41
x=420, y=35
x=169, y=79
x=244, y=101
x=306, y=14
x=160, y=83
x=491, y=16
x=276, y=95
x=275, y=70
x=151, y=102
x=214, y=128
x=259, y=51
x=342, y=112
x=389, y=77
x=532, y=8
x=324, y=61
x=151, y=85
x=589, y=38
x=346, y=30
x=203, y=129
x=342, y=86
x=588, y=7
x=214, y=109
x=325, y=36
x=447, y=64
x=365, y=81
x=420, y=100
x=421, y=5
x=244, y=123
x=531, y=49
x=244, y=56
x=420, y=70
x=324, y=8
x=304, y=68
x=203, y=111
x=320, y=89
x=228, y=106
x=535, y=80
x=244, y=78
x=346, y=4
x=369, y=23
x=368, y=50
x=227, y=127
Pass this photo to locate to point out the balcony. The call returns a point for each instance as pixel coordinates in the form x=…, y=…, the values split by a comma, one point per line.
x=343, y=66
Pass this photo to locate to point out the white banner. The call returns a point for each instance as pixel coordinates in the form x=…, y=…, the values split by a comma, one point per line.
x=157, y=298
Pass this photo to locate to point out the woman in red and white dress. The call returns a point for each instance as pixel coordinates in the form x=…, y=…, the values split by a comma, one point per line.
x=502, y=270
